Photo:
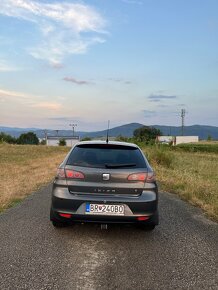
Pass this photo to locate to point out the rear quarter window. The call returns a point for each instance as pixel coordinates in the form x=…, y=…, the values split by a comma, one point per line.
x=101, y=156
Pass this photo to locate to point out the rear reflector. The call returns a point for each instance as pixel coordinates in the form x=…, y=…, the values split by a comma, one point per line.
x=137, y=176
x=142, y=218
x=65, y=215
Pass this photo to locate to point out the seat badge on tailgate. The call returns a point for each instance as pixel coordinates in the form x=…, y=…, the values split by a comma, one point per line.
x=106, y=176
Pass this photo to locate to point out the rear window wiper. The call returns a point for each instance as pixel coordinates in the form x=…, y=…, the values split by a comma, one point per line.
x=120, y=165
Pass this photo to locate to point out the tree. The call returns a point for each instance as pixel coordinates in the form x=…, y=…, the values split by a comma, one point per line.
x=7, y=138
x=43, y=142
x=62, y=142
x=146, y=134
x=28, y=138
x=209, y=138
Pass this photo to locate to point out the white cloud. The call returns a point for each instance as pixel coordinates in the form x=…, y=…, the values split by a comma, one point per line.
x=13, y=94
x=48, y=105
x=64, y=26
x=28, y=100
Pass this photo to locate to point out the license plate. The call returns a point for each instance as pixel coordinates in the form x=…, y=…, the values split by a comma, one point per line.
x=104, y=209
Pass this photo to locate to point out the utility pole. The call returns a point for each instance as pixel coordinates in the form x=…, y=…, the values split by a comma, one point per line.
x=183, y=120
x=46, y=135
x=73, y=127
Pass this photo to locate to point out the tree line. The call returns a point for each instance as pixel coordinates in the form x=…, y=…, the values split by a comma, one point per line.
x=144, y=134
x=25, y=138
x=28, y=138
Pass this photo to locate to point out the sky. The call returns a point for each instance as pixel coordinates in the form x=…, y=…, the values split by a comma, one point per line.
x=87, y=62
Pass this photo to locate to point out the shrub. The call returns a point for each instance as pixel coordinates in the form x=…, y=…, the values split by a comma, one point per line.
x=62, y=142
x=43, y=142
x=86, y=139
x=29, y=138
x=7, y=138
x=122, y=138
x=162, y=157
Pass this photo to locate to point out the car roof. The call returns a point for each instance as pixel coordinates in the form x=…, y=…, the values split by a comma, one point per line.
x=100, y=142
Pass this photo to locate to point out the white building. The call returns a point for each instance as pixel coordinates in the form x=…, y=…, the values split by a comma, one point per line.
x=186, y=139
x=177, y=139
x=54, y=140
x=165, y=139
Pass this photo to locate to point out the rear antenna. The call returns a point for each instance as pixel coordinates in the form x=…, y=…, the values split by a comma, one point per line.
x=108, y=131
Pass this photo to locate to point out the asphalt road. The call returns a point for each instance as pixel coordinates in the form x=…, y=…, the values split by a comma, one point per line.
x=181, y=253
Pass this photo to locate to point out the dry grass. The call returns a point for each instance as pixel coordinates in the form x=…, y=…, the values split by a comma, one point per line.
x=25, y=169
x=192, y=175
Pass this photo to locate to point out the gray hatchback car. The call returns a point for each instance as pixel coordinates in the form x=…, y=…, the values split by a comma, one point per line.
x=105, y=183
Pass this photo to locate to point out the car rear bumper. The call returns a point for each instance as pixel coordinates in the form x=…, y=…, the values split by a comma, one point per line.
x=152, y=219
x=144, y=205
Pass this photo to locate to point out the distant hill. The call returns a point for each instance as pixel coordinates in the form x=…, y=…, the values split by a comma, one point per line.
x=196, y=130
x=125, y=130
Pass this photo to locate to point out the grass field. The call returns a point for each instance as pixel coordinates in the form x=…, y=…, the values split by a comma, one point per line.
x=24, y=169
x=191, y=175
x=211, y=146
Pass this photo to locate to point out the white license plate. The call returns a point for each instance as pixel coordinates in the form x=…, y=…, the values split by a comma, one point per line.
x=104, y=209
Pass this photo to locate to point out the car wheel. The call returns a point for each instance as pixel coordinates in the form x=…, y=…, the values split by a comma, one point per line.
x=58, y=224
x=147, y=228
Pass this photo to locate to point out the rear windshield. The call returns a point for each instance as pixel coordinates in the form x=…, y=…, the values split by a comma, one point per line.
x=106, y=156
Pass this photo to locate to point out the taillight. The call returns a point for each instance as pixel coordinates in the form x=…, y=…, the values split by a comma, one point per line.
x=74, y=174
x=143, y=176
x=61, y=173
x=67, y=173
x=137, y=176
x=151, y=177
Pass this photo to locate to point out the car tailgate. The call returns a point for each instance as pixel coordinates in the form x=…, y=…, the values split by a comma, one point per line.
x=105, y=181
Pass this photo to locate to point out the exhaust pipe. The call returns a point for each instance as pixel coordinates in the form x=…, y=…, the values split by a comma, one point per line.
x=103, y=226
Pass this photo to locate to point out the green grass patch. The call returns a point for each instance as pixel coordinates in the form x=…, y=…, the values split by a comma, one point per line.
x=191, y=175
x=198, y=147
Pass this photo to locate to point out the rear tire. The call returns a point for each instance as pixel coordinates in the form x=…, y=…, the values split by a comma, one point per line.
x=58, y=224
x=153, y=222
x=147, y=228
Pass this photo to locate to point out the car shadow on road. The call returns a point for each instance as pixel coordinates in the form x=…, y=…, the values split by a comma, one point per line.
x=113, y=230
